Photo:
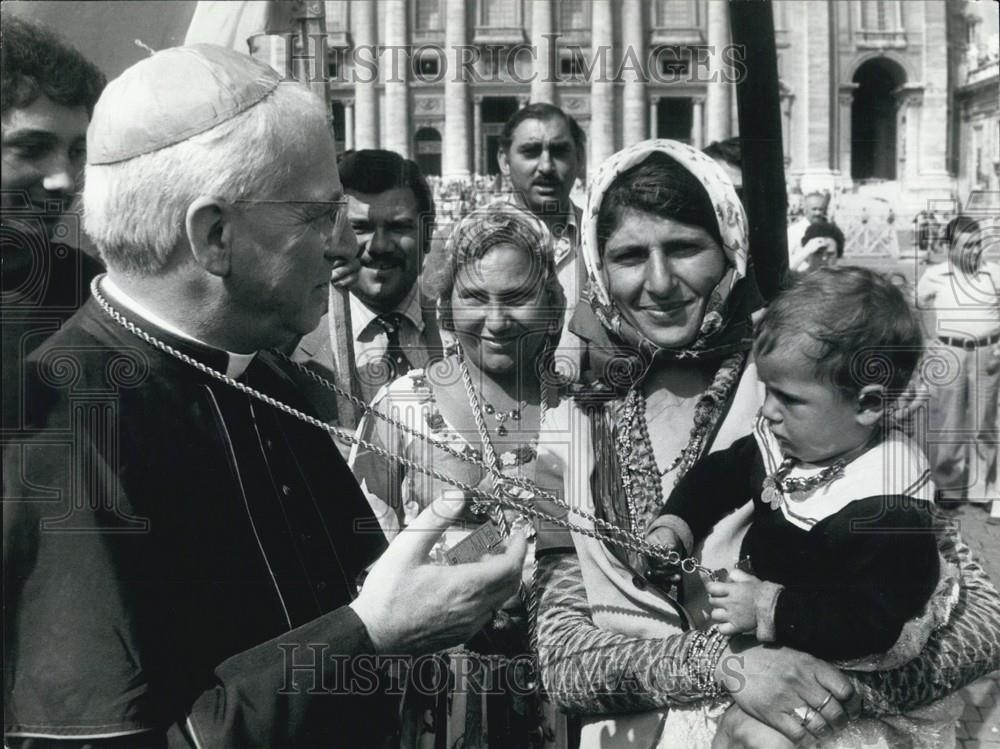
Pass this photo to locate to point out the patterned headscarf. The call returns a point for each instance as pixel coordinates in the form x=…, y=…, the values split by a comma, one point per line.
x=725, y=327
x=499, y=222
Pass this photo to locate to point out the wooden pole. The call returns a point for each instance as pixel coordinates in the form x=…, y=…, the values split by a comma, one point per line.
x=312, y=71
x=758, y=102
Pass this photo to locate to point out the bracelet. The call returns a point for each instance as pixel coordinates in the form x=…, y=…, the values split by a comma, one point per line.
x=702, y=658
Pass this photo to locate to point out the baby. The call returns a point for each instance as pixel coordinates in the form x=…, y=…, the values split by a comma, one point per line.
x=840, y=559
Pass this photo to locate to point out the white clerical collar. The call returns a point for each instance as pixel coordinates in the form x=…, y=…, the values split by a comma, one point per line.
x=362, y=315
x=236, y=363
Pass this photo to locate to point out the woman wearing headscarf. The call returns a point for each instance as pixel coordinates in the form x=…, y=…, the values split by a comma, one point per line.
x=473, y=413
x=664, y=361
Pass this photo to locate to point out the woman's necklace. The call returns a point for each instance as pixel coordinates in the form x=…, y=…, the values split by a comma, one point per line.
x=641, y=477
x=479, y=410
x=513, y=414
x=598, y=529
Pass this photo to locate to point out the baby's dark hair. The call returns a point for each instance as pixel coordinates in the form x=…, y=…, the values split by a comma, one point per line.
x=661, y=186
x=852, y=323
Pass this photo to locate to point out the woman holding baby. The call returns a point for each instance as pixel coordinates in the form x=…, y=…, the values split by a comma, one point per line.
x=846, y=613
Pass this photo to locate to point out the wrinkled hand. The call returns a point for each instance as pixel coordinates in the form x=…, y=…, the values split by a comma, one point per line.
x=409, y=605
x=734, y=603
x=770, y=682
x=345, y=272
x=737, y=730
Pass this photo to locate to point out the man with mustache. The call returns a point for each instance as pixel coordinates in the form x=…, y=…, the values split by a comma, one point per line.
x=391, y=210
x=48, y=93
x=542, y=152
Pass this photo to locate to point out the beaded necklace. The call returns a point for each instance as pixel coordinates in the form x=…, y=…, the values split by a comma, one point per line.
x=778, y=482
x=642, y=483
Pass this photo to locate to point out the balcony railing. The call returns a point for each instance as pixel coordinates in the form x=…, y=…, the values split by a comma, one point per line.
x=662, y=35
x=880, y=39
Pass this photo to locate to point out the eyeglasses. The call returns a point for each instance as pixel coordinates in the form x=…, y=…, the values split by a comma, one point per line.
x=334, y=211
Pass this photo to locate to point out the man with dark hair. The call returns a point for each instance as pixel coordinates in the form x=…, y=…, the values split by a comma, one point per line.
x=542, y=150
x=819, y=248
x=391, y=210
x=964, y=292
x=47, y=94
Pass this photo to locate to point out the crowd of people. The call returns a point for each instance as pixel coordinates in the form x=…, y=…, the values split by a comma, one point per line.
x=600, y=494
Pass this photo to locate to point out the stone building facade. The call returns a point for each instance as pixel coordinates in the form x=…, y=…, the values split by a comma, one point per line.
x=867, y=86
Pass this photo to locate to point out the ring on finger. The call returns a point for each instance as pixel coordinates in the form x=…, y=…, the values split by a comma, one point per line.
x=825, y=702
x=804, y=714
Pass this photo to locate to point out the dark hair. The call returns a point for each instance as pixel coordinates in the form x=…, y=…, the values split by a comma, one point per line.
x=543, y=111
x=661, y=186
x=855, y=324
x=372, y=171
x=36, y=62
x=729, y=150
x=819, y=229
x=959, y=225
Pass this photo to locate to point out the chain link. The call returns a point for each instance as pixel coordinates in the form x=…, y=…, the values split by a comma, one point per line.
x=608, y=533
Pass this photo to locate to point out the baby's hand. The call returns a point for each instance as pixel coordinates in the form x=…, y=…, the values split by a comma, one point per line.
x=659, y=571
x=734, y=603
x=662, y=536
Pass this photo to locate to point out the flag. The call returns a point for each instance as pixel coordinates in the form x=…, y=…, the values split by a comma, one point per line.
x=232, y=23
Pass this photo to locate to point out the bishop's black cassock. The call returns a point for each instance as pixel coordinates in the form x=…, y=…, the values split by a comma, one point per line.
x=171, y=548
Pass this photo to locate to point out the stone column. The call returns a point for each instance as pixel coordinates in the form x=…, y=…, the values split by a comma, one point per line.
x=348, y=124
x=817, y=101
x=456, y=94
x=845, y=100
x=698, y=122
x=719, y=115
x=366, y=129
x=602, y=89
x=543, y=85
x=634, y=89
x=934, y=112
x=395, y=70
x=914, y=109
x=654, y=102
x=477, y=134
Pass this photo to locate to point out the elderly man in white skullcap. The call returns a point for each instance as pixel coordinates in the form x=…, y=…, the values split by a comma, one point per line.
x=182, y=544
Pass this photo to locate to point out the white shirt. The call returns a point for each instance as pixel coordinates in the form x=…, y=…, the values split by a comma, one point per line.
x=237, y=363
x=965, y=305
x=370, y=338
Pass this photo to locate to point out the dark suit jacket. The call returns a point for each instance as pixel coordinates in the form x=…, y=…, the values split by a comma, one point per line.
x=174, y=552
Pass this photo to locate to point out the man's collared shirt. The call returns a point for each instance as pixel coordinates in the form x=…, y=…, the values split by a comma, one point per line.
x=566, y=253
x=371, y=339
x=964, y=305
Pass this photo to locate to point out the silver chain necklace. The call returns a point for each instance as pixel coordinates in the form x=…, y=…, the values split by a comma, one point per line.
x=608, y=533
